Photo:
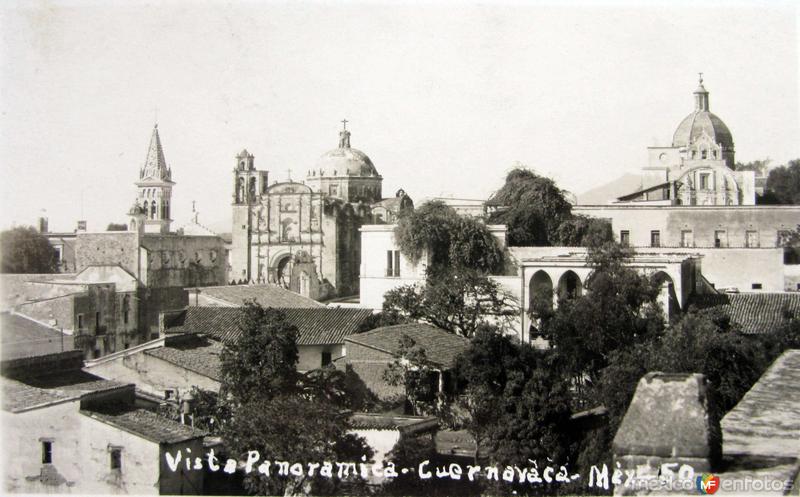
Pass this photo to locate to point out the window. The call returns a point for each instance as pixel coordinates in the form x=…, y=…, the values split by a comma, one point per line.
x=704, y=154
x=326, y=358
x=97, y=327
x=687, y=238
x=756, y=286
x=95, y=353
x=333, y=190
x=625, y=238
x=47, y=451
x=704, y=180
x=655, y=238
x=80, y=321
x=751, y=239
x=168, y=394
x=392, y=263
x=720, y=238
x=116, y=458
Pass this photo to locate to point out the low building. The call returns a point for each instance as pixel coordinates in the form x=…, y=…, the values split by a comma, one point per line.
x=66, y=431
x=370, y=354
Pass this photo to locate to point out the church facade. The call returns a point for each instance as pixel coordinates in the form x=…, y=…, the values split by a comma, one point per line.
x=304, y=236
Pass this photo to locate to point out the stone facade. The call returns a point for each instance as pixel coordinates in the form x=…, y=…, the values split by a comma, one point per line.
x=304, y=235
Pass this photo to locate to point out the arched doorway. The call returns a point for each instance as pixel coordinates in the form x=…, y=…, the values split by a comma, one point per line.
x=283, y=271
x=540, y=292
x=569, y=286
x=666, y=295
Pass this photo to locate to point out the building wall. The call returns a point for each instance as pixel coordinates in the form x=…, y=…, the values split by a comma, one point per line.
x=80, y=454
x=120, y=247
x=181, y=261
x=310, y=356
x=703, y=221
x=154, y=301
x=151, y=374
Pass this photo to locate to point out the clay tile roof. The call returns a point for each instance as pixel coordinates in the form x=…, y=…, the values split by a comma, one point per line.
x=201, y=358
x=753, y=312
x=441, y=347
x=389, y=421
x=317, y=326
x=19, y=396
x=264, y=295
x=24, y=337
x=145, y=424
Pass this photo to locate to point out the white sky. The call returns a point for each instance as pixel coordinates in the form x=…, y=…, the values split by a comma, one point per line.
x=443, y=97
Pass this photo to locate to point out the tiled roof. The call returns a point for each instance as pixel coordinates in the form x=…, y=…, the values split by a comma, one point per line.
x=389, y=421
x=441, y=347
x=318, y=326
x=199, y=358
x=754, y=312
x=766, y=421
x=19, y=396
x=264, y=295
x=24, y=337
x=145, y=424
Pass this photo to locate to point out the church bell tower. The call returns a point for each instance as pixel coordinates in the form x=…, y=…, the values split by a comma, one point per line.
x=154, y=189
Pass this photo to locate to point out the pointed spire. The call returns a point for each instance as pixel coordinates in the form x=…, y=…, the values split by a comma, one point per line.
x=344, y=136
x=701, y=97
x=155, y=166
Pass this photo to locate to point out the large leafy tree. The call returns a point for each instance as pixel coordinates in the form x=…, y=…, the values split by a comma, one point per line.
x=25, y=250
x=618, y=310
x=518, y=401
x=449, y=239
x=281, y=413
x=459, y=301
x=537, y=213
x=783, y=184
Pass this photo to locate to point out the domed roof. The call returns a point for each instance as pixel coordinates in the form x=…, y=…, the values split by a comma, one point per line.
x=702, y=121
x=345, y=161
x=699, y=122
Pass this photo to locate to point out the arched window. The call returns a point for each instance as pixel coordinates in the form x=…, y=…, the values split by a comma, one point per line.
x=166, y=210
x=153, y=210
x=569, y=286
x=540, y=292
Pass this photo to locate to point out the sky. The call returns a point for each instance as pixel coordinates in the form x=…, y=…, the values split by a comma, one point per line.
x=444, y=97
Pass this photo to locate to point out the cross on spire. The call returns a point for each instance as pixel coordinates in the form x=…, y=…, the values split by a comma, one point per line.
x=701, y=77
x=344, y=122
x=289, y=174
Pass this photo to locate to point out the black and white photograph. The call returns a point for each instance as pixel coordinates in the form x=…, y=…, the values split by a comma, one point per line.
x=387, y=248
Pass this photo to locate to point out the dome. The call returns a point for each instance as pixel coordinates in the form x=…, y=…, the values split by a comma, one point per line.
x=345, y=161
x=699, y=122
x=702, y=121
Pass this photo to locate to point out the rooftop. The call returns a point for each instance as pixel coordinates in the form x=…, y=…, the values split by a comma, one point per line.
x=441, y=347
x=753, y=312
x=389, y=421
x=21, y=397
x=264, y=295
x=199, y=356
x=144, y=423
x=315, y=326
x=24, y=337
x=766, y=422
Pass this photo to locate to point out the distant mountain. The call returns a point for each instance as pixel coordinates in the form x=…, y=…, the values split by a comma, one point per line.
x=609, y=192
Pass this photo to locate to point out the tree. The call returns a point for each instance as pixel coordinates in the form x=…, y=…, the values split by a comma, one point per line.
x=619, y=309
x=783, y=183
x=261, y=364
x=450, y=240
x=534, y=208
x=518, y=401
x=281, y=413
x=117, y=227
x=455, y=300
x=537, y=213
x=25, y=250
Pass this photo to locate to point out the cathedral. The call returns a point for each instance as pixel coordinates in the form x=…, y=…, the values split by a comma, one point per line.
x=699, y=167
x=304, y=235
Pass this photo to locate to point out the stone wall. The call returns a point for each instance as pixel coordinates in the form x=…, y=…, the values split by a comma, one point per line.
x=182, y=261
x=109, y=248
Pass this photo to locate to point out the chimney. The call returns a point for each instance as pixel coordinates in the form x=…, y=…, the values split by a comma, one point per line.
x=81, y=226
x=43, y=225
